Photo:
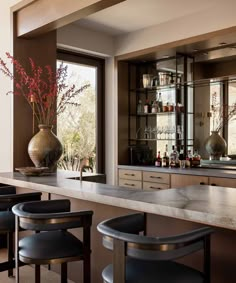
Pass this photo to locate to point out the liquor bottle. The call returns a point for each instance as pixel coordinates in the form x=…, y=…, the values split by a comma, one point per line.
x=158, y=162
x=139, y=107
x=177, y=163
x=196, y=159
x=154, y=107
x=165, y=159
x=173, y=157
x=160, y=103
x=146, y=107
x=181, y=158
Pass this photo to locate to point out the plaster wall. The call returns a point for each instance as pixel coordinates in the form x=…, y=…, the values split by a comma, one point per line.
x=6, y=129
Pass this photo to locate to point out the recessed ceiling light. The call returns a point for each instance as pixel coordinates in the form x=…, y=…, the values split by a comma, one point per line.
x=195, y=50
x=205, y=53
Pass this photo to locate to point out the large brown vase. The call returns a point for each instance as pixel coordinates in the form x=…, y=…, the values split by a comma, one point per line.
x=215, y=145
x=44, y=148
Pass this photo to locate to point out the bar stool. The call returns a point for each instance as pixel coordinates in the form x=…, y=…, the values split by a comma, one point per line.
x=55, y=244
x=8, y=198
x=138, y=258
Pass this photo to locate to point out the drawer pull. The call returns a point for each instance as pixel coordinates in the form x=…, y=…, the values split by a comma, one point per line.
x=132, y=185
x=202, y=183
x=129, y=174
x=155, y=188
x=213, y=184
x=155, y=177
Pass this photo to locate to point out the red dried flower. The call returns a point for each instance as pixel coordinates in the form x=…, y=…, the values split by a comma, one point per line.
x=41, y=87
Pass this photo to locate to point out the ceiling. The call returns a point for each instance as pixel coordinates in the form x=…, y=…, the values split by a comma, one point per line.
x=132, y=15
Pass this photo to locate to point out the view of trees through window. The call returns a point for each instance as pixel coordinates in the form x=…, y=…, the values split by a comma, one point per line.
x=216, y=94
x=76, y=127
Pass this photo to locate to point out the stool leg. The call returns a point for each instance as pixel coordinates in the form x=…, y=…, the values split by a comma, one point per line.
x=10, y=251
x=64, y=272
x=37, y=273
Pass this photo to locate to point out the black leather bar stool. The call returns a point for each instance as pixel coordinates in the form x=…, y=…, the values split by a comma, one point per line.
x=55, y=244
x=8, y=198
x=138, y=258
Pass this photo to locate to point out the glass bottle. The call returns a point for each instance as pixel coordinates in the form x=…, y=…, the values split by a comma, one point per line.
x=181, y=158
x=173, y=157
x=139, y=107
x=154, y=107
x=165, y=159
x=158, y=162
x=196, y=160
x=160, y=103
x=146, y=107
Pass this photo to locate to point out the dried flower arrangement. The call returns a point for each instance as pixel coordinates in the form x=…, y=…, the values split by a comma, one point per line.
x=45, y=91
x=221, y=113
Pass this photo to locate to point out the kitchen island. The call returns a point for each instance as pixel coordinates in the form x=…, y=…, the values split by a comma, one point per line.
x=169, y=212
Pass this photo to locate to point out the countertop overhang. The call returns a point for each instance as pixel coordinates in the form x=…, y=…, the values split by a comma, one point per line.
x=215, y=206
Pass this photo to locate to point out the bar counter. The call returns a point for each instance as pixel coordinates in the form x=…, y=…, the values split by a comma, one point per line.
x=169, y=212
x=215, y=206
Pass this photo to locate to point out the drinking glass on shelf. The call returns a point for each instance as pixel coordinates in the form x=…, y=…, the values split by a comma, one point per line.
x=147, y=132
x=159, y=132
x=153, y=132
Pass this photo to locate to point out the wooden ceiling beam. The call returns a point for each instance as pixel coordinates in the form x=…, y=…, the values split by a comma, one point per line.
x=42, y=16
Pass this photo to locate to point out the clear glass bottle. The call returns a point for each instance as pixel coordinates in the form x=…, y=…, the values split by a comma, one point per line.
x=146, y=107
x=173, y=157
x=139, y=107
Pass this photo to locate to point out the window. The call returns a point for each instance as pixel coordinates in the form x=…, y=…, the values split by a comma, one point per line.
x=224, y=94
x=81, y=126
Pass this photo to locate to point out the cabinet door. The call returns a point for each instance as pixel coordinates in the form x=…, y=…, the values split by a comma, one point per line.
x=179, y=181
x=130, y=184
x=223, y=182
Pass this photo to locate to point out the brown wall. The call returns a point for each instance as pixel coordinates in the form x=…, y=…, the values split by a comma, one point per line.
x=42, y=50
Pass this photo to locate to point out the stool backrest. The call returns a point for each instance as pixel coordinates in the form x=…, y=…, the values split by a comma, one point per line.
x=7, y=189
x=7, y=201
x=126, y=228
x=50, y=215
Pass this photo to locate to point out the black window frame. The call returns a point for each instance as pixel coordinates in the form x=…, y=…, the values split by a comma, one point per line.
x=99, y=63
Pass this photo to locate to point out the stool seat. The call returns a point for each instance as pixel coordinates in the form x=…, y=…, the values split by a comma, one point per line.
x=56, y=245
x=137, y=271
x=7, y=221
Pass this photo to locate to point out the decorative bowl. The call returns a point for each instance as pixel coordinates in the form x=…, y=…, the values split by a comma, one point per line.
x=32, y=171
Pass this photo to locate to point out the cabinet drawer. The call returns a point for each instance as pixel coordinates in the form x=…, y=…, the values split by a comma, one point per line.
x=130, y=175
x=156, y=177
x=223, y=182
x=148, y=186
x=130, y=184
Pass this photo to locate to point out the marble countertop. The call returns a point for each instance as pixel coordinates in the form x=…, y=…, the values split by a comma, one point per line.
x=214, y=206
x=198, y=171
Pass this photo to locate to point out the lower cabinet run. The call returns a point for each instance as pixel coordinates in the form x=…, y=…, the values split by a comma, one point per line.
x=149, y=180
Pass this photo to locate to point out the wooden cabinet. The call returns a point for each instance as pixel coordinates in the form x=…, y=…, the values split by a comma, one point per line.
x=224, y=182
x=179, y=181
x=130, y=178
x=155, y=181
x=149, y=180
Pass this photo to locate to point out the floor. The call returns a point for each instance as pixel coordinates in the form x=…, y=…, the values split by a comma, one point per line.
x=27, y=274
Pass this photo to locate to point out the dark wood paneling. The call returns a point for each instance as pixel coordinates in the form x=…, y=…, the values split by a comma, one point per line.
x=43, y=51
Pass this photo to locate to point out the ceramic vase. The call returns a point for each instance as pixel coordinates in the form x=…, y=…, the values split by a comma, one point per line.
x=44, y=148
x=215, y=145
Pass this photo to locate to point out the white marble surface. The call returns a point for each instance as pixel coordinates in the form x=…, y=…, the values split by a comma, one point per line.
x=187, y=171
x=215, y=206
